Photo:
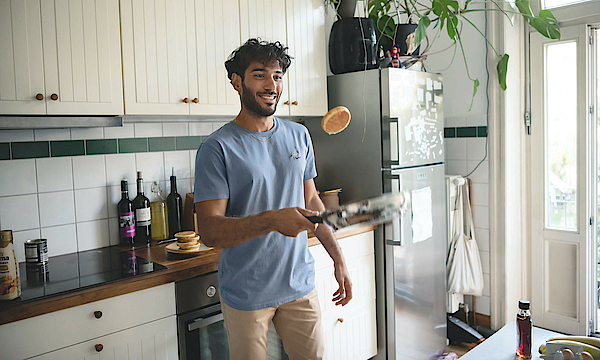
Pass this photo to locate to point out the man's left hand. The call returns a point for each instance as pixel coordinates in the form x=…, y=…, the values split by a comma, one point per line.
x=344, y=293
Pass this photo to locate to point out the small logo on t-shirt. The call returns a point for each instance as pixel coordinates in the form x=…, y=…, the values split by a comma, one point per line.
x=296, y=154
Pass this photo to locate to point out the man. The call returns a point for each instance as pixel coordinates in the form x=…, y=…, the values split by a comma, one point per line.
x=254, y=189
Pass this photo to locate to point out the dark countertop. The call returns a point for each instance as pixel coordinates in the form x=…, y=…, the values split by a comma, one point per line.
x=179, y=267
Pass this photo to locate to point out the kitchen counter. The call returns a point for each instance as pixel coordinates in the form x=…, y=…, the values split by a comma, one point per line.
x=179, y=267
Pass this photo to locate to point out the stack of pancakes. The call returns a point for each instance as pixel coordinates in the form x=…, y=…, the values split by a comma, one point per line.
x=188, y=240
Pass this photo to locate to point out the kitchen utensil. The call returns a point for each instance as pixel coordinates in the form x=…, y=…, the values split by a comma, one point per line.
x=372, y=211
x=174, y=249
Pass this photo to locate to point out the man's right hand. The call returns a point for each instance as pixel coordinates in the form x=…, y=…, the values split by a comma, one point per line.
x=292, y=221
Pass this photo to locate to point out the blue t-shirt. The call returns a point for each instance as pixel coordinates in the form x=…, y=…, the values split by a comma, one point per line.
x=259, y=172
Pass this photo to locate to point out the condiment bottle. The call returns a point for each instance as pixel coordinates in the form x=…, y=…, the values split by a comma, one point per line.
x=524, y=326
x=158, y=209
x=10, y=284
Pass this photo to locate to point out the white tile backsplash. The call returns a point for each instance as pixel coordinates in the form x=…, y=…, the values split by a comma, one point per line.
x=54, y=174
x=180, y=161
x=482, y=305
x=485, y=261
x=89, y=171
x=19, y=238
x=483, y=238
x=175, y=129
x=18, y=177
x=480, y=194
x=87, y=133
x=456, y=121
x=148, y=130
x=193, y=163
x=19, y=212
x=57, y=208
x=456, y=149
x=61, y=239
x=200, y=128
x=152, y=166
x=51, y=134
x=477, y=120
x=481, y=216
x=120, y=167
x=456, y=167
x=16, y=135
x=482, y=174
x=486, y=285
x=217, y=125
x=476, y=148
x=119, y=132
x=92, y=235
x=91, y=204
x=114, y=231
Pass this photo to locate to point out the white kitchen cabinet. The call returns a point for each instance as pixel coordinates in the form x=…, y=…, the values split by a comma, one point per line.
x=81, y=324
x=350, y=331
x=154, y=340
x=60, y=57
x=300, y=25
x=174, y=53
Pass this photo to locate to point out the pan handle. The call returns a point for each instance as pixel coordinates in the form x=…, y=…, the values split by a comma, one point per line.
x=315, y=219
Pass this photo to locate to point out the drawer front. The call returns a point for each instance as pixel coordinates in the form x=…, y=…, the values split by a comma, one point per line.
x=155, y=340
x=62, y=328
x=351, y=334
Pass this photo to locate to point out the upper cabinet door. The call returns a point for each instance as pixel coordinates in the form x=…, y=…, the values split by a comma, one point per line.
x=307, y=75
x=155, y=73
x=21, y=62
x=82, y=57
x=213, y=33
x=265, y=19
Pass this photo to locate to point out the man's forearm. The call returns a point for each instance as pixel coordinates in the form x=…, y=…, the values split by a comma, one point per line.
x=223, y=231
x=330, y=243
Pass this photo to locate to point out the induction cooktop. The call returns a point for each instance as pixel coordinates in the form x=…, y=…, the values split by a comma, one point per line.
x=75, y=271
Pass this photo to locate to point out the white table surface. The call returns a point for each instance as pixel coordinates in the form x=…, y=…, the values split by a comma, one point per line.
x=503, y=344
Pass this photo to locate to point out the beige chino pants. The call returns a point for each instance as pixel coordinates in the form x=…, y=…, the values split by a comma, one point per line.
x=298, y=324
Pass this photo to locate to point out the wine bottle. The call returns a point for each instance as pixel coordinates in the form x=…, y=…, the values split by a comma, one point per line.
x=174, y=207
x=141, y=205
x=126, y=216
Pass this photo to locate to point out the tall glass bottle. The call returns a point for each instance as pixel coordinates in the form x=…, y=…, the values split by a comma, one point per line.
x=174, y=207
x=126, y=216
x=158, y=207
x=524, y=325
x=141, y=205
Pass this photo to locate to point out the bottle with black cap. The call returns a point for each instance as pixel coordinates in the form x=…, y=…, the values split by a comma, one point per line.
x=126, y=216
x=524, y=325
x=174, y=207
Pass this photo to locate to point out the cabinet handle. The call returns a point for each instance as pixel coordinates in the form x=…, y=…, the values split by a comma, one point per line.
x=54, y=97
x=98, y=314
x=295, y=103
x=286, y=102
x=341, y=320
x=185, y=100
x=195, y=100
x=99, y=347
x=40, y=97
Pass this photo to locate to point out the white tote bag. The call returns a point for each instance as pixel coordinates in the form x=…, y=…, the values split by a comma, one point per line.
x=465, y=275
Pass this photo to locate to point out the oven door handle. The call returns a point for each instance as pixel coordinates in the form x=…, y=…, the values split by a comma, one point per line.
x=202, y=322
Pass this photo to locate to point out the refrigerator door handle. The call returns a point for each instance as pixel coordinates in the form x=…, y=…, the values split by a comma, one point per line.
x=394, y=242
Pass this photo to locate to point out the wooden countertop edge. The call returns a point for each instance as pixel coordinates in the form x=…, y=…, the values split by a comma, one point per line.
x=178, y=269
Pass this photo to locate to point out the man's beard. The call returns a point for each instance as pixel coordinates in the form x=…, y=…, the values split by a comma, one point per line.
x=250, y=103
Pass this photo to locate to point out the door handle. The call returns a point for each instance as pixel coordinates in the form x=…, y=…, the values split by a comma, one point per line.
x=202, y=322
x=394, y=242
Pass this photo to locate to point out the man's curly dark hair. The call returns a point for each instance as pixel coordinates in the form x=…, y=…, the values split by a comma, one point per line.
x=257, y=50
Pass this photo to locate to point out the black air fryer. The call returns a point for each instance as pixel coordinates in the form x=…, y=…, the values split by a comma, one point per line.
x=347, y=44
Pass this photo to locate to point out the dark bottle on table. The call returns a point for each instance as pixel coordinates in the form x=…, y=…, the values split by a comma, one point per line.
x=141, y=205
x=126, y=217
x=174, y=208
x=524, y=325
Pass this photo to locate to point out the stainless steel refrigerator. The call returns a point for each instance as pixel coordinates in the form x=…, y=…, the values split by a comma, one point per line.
x=395, y=143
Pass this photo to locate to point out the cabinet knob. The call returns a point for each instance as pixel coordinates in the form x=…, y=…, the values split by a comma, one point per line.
x=98, y=314
x=54, y=97
x=99, y=347
x=340, y=320
x=40, y=97
x=295, y=103
x=195, y=100
x=286, y=102
x=185, y=100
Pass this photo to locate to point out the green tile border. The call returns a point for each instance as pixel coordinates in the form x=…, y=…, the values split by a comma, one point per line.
x=101, y=146
x=67, y=148
x=4, y=151
x=133, y=145
x=465, y=132
x=161, y=144
x=30, y=149
x=188, y=142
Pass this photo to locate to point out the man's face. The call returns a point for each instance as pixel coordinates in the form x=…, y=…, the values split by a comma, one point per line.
x=261, y=88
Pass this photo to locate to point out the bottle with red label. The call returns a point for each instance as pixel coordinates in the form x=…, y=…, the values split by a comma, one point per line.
x=126, y=216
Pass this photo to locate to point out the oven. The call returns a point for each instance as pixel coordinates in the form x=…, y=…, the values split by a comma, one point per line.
x=200, y=330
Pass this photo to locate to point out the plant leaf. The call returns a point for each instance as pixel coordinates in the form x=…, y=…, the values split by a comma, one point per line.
x=546, y=24
x=446, y=10
x=524, y=8
x=451, y=26
x=421, y=30
x=475, y=86
x=502, y=69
